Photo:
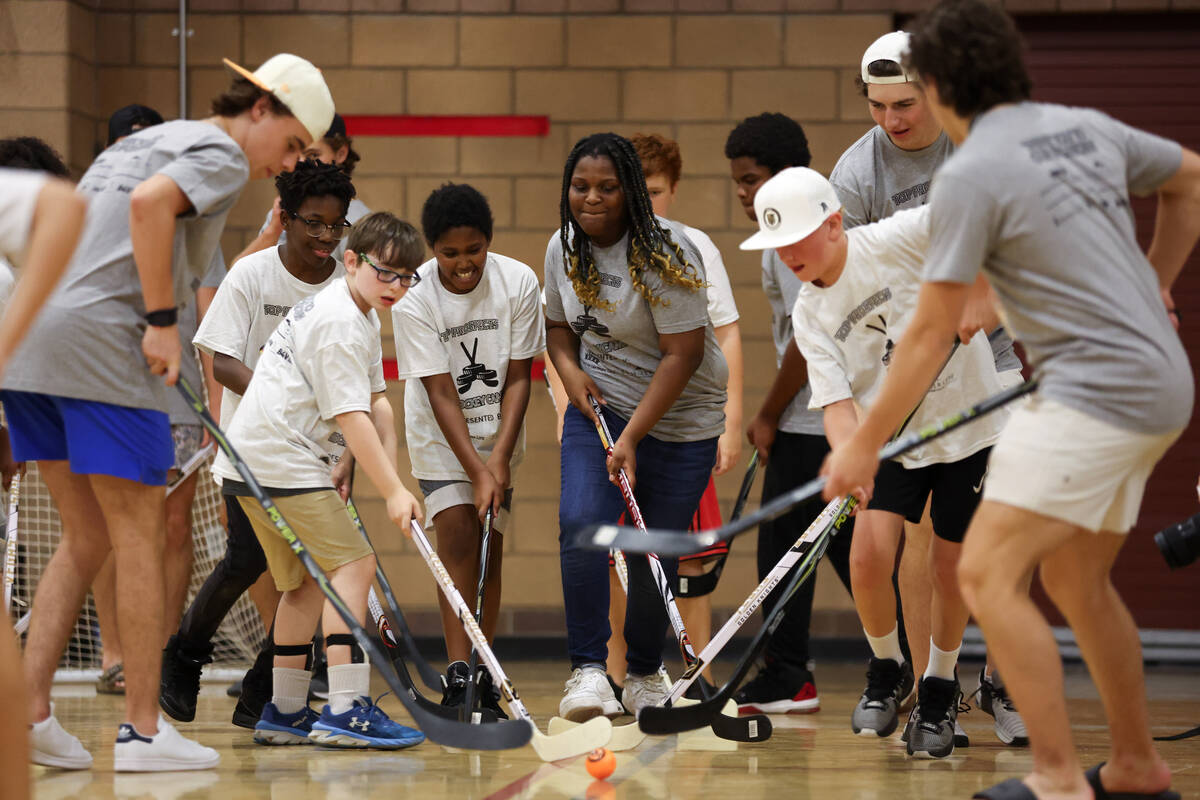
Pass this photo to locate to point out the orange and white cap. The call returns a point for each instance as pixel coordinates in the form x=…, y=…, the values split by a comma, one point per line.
x=299, y=85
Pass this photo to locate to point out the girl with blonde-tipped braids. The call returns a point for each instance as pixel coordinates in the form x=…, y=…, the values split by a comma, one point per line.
x=627, y=323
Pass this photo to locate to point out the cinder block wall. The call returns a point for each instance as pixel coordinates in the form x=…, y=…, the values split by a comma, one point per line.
x=689, y=69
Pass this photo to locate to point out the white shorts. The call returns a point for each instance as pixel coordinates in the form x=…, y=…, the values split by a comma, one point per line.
x=1062, y=463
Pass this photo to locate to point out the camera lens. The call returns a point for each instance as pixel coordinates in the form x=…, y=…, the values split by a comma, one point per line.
x=1180, y=544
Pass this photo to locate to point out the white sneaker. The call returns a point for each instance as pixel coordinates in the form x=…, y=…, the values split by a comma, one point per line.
x=166, y=751
x=588, y=695
x=51, y=746
x=644, y=690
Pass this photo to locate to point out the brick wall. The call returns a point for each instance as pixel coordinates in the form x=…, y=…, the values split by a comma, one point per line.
x=684, y=68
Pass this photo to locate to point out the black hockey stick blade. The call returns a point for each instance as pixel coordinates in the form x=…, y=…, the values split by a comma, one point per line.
x=497, y=736
x=743, y=494
x=673, y=544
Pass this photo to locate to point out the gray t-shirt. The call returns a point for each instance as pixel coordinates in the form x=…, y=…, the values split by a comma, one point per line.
x=874, y=179
x=91, y=328
x=782, y=286
x=354, y=212
x=1038, y=196
x=619, y=348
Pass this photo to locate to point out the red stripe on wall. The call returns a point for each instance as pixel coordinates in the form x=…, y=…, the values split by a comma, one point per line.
x=413, y=125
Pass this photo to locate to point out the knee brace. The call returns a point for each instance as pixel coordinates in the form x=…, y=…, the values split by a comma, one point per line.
x=296, y=650
x=356, y=654
x=699, y=585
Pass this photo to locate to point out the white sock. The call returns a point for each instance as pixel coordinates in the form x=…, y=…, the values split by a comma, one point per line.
x=942, y=662
x=347, y=682
x=289, y=689
x=886, y=646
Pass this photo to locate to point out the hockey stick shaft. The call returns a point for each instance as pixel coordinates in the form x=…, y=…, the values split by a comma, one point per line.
x=485, y=541
x=443, y=731
x=429, y=676
x=756, y=598
x=474, y=632
x=10, y=544
x=676, y=543
x=656, y=568
x=191, y=466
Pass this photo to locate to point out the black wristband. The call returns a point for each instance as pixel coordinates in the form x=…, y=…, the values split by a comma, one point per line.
x=163, y=318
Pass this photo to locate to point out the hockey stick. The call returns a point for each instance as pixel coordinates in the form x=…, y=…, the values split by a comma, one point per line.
x=389, y=625
x=678, y=543
x=190, y=466
x=706, y=583
x=501, y=736
x=575, y=742
x=756, y=728
x=485, y=541
x=809, y=550
x=10, y=544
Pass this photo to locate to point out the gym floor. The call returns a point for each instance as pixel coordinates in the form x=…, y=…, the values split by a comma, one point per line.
x=809, y=756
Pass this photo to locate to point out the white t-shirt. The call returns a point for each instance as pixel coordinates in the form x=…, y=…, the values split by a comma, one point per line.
x=255, y=296
x=472, y=337
x=847, y=331
x=722, y=310
x=19, y=190
x=324, y=359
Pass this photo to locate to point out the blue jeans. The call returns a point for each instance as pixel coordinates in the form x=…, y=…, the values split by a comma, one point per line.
x=671, y=477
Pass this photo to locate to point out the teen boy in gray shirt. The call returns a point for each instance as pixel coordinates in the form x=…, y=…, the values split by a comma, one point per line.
x=1038, y=196
x=82, y=402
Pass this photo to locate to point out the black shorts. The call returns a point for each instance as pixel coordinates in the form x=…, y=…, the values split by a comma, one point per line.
x=956, y=488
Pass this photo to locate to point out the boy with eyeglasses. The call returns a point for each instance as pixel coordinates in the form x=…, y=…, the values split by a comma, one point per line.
x=255, y=296
x=318, y=393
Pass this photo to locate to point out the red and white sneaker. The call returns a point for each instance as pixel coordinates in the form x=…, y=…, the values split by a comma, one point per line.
x=779, y=688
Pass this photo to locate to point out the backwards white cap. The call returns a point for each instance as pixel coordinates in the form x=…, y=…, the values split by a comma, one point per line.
x=889, y=47
x=298, y=85
x=790, y=206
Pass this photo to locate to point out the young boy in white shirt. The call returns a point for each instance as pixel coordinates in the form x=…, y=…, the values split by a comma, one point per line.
x=860, y=289
x=251, y=301
x=466, y=336
x=317, y=390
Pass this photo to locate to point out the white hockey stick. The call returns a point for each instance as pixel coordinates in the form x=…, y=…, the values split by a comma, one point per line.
x=10, y=544
x=575, y=742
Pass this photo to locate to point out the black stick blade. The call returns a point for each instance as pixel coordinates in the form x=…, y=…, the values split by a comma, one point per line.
x=660, y=721
x=666, y=543
x=754, y=728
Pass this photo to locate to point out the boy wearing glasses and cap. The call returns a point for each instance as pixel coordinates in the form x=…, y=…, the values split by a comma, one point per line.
x=891, y=168
x=859, y=291
x=83, y=395
x=251, y=301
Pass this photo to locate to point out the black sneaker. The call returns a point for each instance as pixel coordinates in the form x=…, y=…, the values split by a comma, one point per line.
x=878, y=709
x=932, y=732
x=779, y=688
x=318, y=687
x=487, y=695
x=179, y=684
x=256, y=690
x=454, y=684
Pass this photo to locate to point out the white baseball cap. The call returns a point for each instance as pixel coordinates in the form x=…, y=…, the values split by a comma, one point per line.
x=298, y=85
x=889, y=47
x=790, y=206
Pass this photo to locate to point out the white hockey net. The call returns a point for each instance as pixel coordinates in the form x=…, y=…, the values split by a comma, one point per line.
x=38, y=532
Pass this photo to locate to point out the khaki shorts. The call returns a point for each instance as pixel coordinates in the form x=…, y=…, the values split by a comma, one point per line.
x=1062, y=463
x=323, y=525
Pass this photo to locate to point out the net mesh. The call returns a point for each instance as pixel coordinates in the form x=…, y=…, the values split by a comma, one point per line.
x=38, y=532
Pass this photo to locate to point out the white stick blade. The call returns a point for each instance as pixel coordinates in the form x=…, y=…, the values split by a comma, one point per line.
x=576, y=741
x=624, y=737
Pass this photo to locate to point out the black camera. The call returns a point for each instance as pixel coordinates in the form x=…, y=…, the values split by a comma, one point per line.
x=1180, y=543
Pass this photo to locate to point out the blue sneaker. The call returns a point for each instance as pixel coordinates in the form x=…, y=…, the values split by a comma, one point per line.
x=364, y=725
x=275, y=727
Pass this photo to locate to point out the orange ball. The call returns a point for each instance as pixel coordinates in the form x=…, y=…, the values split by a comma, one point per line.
x=601, y=763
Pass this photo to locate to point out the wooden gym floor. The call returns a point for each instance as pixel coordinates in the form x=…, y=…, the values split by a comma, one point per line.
x=809, y=756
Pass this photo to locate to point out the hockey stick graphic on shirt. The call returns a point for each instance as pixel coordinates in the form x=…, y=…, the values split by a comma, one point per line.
x=756, y=728
x=568, y=744
x=497, y=736
x=679, y=543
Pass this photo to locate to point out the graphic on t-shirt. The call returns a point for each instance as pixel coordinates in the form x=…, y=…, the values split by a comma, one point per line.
x=1078, y=184
x=586, y=322
x=475, y=371
x=918, y=193
x=275, y=310
x=888, y=343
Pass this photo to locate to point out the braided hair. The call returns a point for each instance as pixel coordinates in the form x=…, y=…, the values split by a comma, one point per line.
x=650, y=244
x=311, y=178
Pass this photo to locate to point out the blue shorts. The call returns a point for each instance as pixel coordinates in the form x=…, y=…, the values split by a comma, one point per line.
x=96, y=438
